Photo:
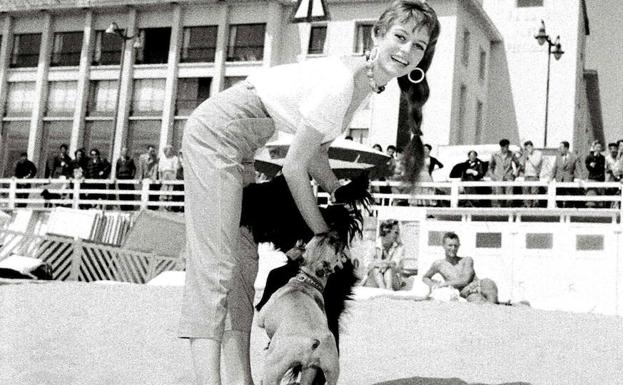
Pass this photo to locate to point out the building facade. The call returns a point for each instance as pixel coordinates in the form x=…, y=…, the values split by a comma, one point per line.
x=64, y=79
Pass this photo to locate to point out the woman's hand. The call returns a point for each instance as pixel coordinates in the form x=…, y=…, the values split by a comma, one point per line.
x=297, y=251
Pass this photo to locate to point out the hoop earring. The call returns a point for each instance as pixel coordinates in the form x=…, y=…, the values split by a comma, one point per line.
x=372, y=54
x=421, y=78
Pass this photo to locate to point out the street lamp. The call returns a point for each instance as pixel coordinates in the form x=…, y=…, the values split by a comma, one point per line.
x=114, y=29
x=542, y=37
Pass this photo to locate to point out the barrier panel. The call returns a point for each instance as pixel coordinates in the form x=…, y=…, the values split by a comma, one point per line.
x=77, y=260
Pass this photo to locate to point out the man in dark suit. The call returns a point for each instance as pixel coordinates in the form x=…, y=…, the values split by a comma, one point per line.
x=566, y=169
x=60, y=165
x=24, y=169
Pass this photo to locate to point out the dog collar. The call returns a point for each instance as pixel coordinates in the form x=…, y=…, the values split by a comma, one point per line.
x=306, y=278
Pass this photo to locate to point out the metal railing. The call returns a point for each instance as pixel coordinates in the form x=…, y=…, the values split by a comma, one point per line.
x=136, y=194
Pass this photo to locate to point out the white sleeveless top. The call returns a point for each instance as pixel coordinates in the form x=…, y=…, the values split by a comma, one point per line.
x=316, y=93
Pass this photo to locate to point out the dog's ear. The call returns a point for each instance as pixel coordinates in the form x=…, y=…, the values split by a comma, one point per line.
x=355, y=192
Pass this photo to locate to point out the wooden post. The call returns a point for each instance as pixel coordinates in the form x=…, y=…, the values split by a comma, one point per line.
x=151, y=268
x=75, y=204
x=454, y=194
x=145, y=193
x=12, y=193
x=551, y=194
x=76, y=260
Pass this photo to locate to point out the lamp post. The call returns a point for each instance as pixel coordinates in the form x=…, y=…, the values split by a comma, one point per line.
x=542, y=37
x=114, y=29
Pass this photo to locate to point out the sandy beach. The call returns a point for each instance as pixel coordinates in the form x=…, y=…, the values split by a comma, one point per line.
x=96, y=333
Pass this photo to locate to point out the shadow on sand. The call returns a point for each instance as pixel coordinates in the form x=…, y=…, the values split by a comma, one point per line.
x=438, y=381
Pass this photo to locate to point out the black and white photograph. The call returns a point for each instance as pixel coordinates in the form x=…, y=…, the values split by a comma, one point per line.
x=311, y=192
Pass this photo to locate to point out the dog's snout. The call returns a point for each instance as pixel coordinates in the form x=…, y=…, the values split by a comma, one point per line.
x=315, y=344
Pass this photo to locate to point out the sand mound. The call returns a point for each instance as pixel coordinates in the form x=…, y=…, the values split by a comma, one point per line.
x=79, y=333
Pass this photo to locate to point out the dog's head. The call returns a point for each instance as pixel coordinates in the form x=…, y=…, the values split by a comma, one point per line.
x=324, y=254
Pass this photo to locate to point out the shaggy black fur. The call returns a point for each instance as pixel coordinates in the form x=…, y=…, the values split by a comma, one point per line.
x=270, y=212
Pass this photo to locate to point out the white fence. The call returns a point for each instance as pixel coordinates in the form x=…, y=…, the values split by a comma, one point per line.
x=134, y=194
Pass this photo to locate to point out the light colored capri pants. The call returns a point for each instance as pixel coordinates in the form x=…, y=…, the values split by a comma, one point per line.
x=220, y=140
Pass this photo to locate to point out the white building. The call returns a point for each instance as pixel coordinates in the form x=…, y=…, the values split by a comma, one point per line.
x=59, y=70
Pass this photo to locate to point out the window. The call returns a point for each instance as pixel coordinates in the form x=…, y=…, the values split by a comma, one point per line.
x=107, y=49
x=67, y=49
x=465, y=52
x=478, y=125
x=20, y=98
x=98, y=134
x=190, y=93
x=488, y=240
x=317, y=37
x=25, y=50
x=482, y=65
x=199, y=44
x=462, y=112
x=435, y=238
x=102, y=97
x=141, y=133
x=154, y=46
x=539, y=241
x=16, y=143
x=61, y=98
x=246, y=42
x=589, y=242
x=529, y=3
x=363, y=37
x=359, y=135
x=56, y=133
x=232, y=80
x=148, y=96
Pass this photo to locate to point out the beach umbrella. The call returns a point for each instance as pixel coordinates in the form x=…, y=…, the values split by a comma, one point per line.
x=269, y=166
x=341, y=149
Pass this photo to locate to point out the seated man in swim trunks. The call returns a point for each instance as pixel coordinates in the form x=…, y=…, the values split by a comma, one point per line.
x=458, y=273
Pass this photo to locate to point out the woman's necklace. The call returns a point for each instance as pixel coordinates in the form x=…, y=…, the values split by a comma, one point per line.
x=370, y=74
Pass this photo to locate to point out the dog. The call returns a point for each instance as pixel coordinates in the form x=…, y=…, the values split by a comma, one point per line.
x=295, y=320
x=270, y=213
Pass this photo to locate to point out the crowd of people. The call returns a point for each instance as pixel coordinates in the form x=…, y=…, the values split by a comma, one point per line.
x=504, y=165
x=145, y=166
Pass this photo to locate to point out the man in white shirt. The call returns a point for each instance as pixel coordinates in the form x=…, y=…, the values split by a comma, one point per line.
x=531, y=162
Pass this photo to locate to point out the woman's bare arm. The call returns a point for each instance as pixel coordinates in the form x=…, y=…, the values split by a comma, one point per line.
x=320, y=170
x=304, y=147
